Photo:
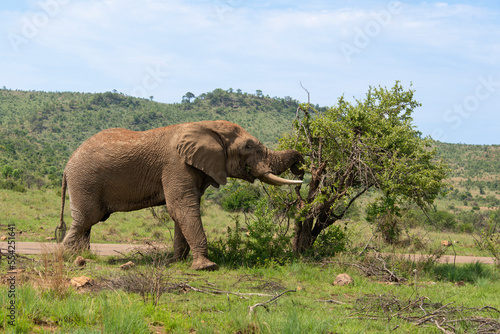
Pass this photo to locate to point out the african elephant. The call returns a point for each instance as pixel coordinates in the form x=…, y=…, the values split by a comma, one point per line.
x=124, y=170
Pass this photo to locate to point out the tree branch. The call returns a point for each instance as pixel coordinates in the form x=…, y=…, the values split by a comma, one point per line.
x=251, y=308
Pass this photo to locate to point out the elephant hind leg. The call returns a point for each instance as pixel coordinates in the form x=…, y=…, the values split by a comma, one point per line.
x=77, y=239
x=78, y=236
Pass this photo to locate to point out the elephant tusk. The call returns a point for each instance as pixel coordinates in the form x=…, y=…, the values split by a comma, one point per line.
x=275, y=180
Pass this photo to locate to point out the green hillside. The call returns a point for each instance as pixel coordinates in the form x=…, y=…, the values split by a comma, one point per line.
x=473, y=167
x=39, y=131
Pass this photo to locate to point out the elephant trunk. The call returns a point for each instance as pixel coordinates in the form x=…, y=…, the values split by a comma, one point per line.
x=280, y=162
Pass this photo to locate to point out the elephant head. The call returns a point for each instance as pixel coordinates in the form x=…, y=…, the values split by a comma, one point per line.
x=222, y=149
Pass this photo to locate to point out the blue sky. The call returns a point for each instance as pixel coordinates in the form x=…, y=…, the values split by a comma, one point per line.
x=449, y=52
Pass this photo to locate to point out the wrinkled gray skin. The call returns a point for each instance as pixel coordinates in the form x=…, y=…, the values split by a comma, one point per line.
x=123, y=170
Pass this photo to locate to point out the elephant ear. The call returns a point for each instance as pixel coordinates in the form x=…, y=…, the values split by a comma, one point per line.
x=202, y=148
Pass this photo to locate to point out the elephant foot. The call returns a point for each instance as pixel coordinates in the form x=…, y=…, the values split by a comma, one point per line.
x=202, y=263
x=76, y=246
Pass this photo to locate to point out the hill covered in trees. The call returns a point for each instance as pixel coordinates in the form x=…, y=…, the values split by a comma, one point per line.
x=39, y=130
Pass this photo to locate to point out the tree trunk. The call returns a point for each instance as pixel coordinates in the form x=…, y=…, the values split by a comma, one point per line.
x=303, y=238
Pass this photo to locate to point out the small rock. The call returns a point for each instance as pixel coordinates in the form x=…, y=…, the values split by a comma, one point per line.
x=343, y=279
x=80, y=261
x=79, y=282
x=50, y=238
x=3, y=237
x=445, y=243
x=127, y=265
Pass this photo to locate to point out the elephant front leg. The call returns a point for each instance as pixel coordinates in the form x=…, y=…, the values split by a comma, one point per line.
x=181, y=246
x=189, y=233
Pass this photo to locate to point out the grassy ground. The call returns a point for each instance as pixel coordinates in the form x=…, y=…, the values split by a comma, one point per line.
x=222, y=301
x=298, y=297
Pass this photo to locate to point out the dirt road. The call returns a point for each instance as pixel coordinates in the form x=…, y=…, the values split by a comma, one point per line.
x=32, y=248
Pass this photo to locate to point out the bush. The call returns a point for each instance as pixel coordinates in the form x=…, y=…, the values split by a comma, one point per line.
x=267, y=237
x=264, y=240
x=388, y=226
x=444, y=220
x=477, y=219
x=12, y=185
x=330, y=242
x=490, y=240
x=229, y=250
x=239, y=197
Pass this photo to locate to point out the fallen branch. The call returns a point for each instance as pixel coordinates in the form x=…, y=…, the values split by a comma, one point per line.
x=251, y=308
x=392, y=276
x=421, y=312
x=441, y=328
x=430, y=316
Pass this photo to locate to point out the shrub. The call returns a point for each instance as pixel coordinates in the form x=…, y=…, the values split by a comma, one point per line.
x=12, y=185
x=330, y=242
x=388, y=227
x=444, y=219
x=229, y=250
x=239, y=197
x=267, y=236
x=490, y=240
x=264, y=240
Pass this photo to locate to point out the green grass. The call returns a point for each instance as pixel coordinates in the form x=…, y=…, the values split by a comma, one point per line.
x=111, y=310
x=48, y=306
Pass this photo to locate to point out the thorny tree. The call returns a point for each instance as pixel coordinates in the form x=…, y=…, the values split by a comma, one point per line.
x=351, y=148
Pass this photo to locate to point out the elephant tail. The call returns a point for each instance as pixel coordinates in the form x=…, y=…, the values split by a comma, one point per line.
x=61, y=228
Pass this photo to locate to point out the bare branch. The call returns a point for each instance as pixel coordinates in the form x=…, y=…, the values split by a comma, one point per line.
x=251, y=308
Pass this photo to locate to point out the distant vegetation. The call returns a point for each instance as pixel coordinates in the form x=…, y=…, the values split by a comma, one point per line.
x=472, y=166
